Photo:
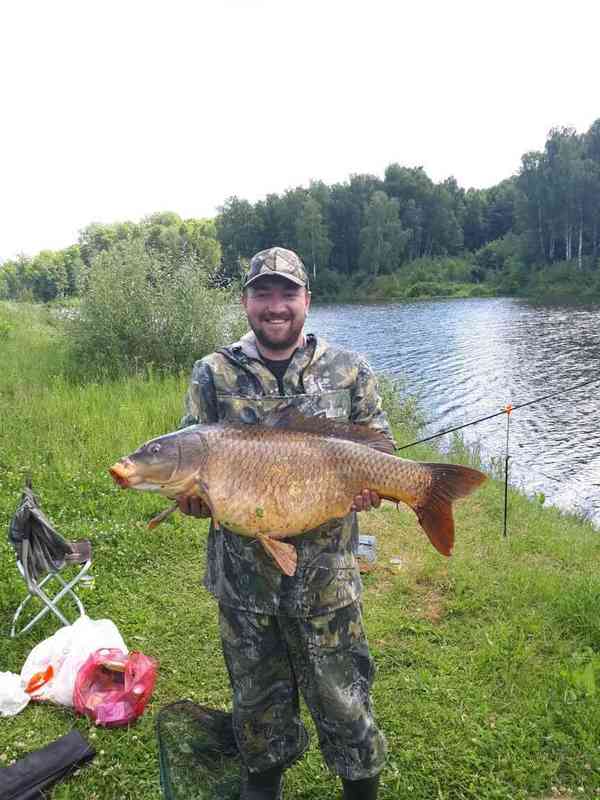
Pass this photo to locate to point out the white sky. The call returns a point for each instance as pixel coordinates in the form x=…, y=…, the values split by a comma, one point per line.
x=113, y=110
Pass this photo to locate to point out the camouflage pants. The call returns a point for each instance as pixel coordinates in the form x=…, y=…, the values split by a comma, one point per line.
x=271, y=658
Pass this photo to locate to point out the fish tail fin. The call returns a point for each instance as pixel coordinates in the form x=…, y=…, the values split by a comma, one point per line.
x=448, y=483
x=283, y=553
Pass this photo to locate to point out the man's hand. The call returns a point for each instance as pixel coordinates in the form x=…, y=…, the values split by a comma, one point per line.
x=193, y=506
x=365, y=501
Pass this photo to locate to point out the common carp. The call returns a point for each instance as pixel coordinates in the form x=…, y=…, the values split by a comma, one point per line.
x=291, y=474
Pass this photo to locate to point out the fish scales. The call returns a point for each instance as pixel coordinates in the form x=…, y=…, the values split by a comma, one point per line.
x=262, y=481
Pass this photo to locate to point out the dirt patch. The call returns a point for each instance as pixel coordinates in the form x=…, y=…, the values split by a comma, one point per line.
x=433, y=607
x=558, y=796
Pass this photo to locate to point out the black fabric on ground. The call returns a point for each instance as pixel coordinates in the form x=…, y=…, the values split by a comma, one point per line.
x=38, y=771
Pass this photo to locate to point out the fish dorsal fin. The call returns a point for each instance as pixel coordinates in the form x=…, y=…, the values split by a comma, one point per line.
x=291, y=419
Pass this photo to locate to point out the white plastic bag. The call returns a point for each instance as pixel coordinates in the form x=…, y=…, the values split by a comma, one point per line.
x=65, y=652
x=13, y=697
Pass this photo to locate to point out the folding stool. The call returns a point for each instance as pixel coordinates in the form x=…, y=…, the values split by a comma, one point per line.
x=42, y=554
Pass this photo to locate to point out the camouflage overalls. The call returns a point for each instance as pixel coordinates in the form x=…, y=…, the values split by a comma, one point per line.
x=279, y=633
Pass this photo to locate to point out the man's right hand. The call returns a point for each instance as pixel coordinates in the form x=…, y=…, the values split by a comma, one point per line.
x=193, y=506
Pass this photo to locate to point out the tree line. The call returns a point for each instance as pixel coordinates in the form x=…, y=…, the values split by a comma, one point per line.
x=52, y=274
x=548, y=212
x=369, y=226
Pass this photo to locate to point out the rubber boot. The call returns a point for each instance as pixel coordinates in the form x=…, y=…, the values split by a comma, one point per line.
x=262, y=785
x=365, y=789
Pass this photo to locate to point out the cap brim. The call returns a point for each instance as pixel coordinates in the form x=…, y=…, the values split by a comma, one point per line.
x=274, y=274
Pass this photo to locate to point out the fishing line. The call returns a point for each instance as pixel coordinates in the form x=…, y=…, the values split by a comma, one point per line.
x=498, y=413
x=508, y=409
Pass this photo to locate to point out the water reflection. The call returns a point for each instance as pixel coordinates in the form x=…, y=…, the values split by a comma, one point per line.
x=468, y=358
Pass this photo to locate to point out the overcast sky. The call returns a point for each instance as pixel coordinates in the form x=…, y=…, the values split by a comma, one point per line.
x=113, y=110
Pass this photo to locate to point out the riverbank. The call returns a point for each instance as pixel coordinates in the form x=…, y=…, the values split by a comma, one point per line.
x=457, y=277
x=488, y=663
x=425, y=278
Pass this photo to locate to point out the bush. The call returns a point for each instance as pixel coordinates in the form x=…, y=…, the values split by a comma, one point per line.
x=482, y=290
x=142, y=312
x=328, y=285
x=441, y=269
x=563, y=281
x=429, y=289
x=501, y=255
x=402, y=409
x=385, y=287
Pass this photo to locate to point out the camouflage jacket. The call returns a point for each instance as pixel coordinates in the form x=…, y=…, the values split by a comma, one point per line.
x=234, y=384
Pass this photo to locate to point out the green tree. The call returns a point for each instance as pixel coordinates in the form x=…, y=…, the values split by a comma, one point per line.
x=591, y=152
x=192, y=241
x=563, y=152
x=98, y=238
x=314, y=245
x=238, y=231
x=383, y=241
x=74, y=267
x=346, y=212
x=532, y=207
x=200, y=246
x=443, y=234
x=271, y=218
x=500, y=203
x=10, y=283
x=474, y=221
x=161, y=233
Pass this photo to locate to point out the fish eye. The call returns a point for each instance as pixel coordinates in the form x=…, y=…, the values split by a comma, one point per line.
x=154, y=448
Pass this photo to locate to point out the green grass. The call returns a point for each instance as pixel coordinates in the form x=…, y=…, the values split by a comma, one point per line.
x=488, y=663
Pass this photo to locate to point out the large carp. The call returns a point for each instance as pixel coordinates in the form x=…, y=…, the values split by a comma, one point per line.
x=291, y=474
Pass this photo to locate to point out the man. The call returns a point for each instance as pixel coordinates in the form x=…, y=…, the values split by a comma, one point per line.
x=281, y=634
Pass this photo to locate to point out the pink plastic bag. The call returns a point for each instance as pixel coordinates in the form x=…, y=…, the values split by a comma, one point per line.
x=113, y=688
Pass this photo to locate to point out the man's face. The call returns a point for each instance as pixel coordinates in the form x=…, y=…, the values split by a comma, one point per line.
x=276, y=309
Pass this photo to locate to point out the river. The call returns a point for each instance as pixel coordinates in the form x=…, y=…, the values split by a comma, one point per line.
x=465, y=359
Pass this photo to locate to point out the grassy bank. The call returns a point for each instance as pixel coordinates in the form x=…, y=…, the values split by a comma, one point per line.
x=422, y=279
x=487, y=663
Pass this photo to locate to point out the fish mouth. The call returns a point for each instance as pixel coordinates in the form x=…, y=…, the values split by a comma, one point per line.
x=120, y=476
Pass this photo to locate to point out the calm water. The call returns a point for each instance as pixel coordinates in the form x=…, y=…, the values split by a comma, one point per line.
x=465, y=359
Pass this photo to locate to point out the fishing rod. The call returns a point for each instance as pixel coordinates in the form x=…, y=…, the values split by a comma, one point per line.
x=505, y=410
x=508, y=409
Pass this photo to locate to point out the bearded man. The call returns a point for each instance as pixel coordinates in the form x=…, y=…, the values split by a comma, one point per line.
x=285, y=636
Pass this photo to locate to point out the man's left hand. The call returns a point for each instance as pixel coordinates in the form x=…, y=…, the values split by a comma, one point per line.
x=365, y=501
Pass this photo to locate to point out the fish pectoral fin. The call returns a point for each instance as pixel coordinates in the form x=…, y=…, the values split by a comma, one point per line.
x=162, y=516
x=283, y=553
x=203, y=494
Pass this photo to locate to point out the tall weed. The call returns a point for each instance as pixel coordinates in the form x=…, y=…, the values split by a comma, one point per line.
x=143, y=313
x=401, y=408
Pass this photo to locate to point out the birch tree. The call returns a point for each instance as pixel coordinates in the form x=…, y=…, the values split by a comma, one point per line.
x=383, y=240
x=313, y=243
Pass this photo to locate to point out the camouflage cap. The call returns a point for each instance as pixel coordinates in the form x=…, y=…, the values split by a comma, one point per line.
x=278, y=261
